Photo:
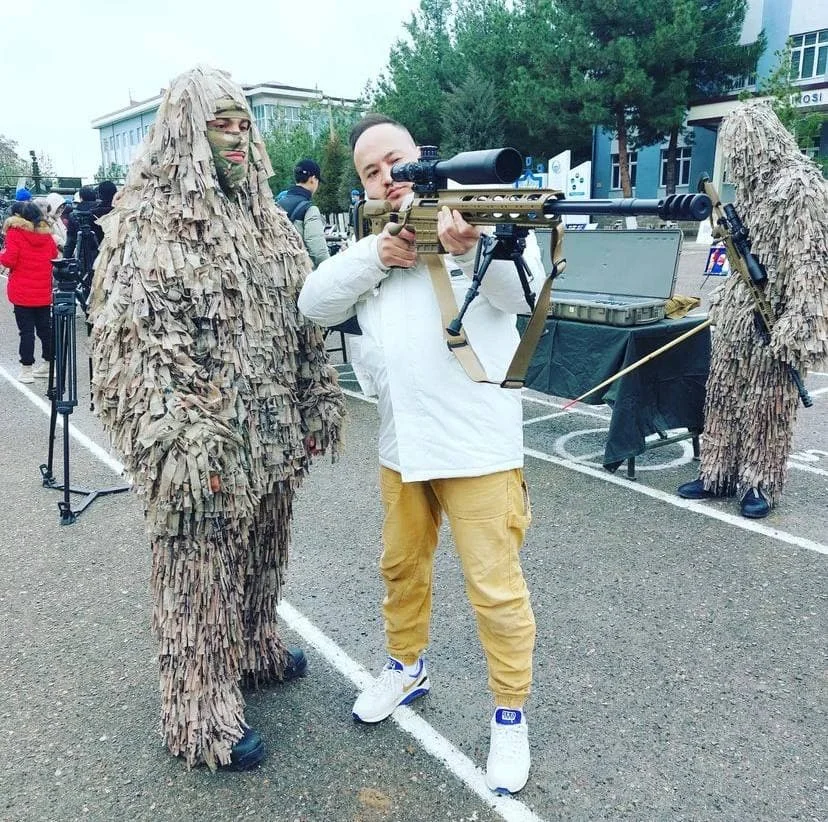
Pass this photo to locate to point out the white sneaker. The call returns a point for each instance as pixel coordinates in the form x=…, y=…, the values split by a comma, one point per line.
x=41, y=370
x=391, y=688
x=507, y=768
x=25, y=374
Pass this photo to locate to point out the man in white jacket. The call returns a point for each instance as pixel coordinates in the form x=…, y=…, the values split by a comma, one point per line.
x=446, y=444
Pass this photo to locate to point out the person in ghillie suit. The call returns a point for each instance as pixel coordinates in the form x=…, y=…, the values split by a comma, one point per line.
x=216, y=393
x=751, y=402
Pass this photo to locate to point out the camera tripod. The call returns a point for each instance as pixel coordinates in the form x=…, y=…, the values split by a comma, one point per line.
x=85, y=253
x=63, y=389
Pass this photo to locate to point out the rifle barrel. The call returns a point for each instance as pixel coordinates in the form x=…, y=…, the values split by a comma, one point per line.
x=675, y=207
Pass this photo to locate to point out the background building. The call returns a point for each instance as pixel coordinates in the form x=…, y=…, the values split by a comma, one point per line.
x=805, y=22
x=273, y=105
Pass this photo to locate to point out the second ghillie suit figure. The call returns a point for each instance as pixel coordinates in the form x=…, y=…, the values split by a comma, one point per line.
x=751, y=402
x=215, y=392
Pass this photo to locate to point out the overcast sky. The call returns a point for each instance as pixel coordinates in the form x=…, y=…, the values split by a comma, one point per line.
x=66, y=62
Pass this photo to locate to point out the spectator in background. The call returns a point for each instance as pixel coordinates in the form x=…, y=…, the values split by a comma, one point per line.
x=28, y=254
x=306, y=217
x=52, y=206
x=67, y=213
x=106, y=192
x=22, y=195
x=87, y=205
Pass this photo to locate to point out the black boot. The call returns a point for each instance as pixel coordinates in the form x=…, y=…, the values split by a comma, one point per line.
x=754, y=505
x=247, y=753
x=695, y=490
x=296, y=666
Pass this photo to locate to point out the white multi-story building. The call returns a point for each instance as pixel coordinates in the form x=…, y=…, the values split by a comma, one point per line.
x=274, y=106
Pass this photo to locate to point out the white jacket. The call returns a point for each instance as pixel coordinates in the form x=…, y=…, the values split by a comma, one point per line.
x=434, y=420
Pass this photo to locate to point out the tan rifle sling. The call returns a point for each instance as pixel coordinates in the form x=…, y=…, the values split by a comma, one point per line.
x=460, y=345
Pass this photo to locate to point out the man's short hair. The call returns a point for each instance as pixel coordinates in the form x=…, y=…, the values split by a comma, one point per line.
x=305, y=169
x=88, y=194
x=369, y=121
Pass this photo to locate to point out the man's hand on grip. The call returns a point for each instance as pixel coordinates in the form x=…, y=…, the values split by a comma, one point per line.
x=397, y=251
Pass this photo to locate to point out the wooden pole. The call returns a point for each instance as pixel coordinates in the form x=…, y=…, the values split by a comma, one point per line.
x=636, y=364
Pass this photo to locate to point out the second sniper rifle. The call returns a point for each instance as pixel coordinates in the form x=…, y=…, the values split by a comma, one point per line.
x=731, y=230
x=513, y=212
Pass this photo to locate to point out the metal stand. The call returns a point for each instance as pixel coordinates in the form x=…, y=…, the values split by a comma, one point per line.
x=86, y=251
x=63, y=390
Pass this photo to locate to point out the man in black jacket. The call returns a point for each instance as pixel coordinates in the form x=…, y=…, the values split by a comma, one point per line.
x=305, y=216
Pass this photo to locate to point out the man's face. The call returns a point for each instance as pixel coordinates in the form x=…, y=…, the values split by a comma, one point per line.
x=376, y=150
x=229, y=138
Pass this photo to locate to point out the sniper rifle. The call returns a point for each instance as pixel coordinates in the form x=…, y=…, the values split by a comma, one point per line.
x=513, y=213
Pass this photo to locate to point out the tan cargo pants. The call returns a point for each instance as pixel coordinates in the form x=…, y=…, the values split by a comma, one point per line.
x=488, y=517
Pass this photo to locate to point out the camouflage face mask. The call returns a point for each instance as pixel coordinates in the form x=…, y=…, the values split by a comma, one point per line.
x=231, y=146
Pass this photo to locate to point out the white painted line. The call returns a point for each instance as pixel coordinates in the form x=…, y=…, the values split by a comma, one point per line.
x=576, y=409
x=545, y=417
x=695, y=506
x=74, y=433
x=807, y=468
x=817, y=391
x=509, y=808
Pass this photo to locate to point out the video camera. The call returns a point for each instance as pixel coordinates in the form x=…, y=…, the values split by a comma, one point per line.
x=67, y=273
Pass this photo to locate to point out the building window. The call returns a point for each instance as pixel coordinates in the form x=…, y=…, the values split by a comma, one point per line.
x=259, y=117
x=744, y=82
x=682, y=167
x=632, y=157
x=290, y=114
x=809, y=55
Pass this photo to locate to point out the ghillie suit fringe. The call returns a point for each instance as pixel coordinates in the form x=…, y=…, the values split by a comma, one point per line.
x=751, y=402
x=202, y=366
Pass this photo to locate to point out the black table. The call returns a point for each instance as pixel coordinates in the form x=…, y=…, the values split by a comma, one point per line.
x=665, y=393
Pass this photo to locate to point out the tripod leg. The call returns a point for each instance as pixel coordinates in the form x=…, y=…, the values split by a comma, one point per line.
x=46, y=469
x=67, y=516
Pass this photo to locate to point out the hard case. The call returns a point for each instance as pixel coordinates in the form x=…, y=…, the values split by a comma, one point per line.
x=614, y=277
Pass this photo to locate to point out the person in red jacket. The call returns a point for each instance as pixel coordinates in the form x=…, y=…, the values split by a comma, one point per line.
x=28, y=254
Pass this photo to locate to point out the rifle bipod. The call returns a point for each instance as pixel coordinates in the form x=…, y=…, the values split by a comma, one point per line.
x=507, y=243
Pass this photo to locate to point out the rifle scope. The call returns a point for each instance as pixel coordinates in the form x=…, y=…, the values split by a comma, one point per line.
x=494, y=165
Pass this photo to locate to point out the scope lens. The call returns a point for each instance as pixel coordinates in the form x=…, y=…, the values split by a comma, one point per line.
x=509, y=165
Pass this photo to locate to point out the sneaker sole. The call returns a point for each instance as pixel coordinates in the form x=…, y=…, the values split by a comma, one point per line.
x=422, y=690
x=505, y=791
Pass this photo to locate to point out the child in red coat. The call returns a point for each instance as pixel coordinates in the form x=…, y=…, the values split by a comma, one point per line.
x=28, y=254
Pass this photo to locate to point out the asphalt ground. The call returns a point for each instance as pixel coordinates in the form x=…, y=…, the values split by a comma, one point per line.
x=680, y=666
